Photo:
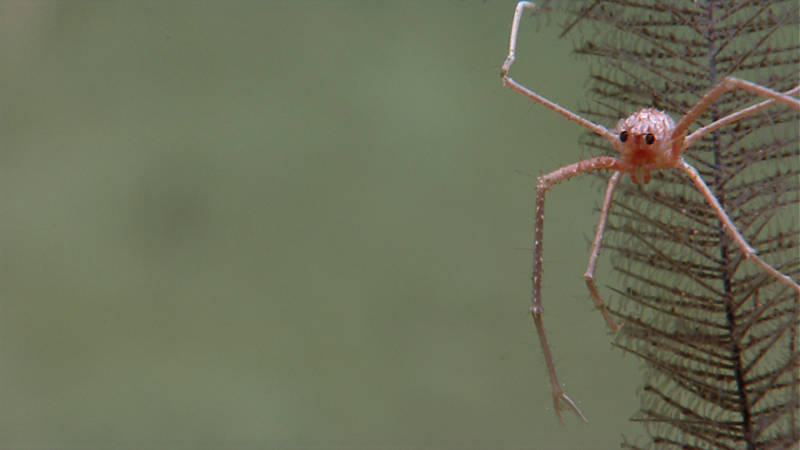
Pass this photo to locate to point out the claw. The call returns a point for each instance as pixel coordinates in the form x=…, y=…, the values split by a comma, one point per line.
x=612, y=325
x=561, y=397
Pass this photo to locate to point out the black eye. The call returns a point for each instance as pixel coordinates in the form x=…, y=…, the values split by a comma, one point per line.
x=623, y=136
x=649, y=138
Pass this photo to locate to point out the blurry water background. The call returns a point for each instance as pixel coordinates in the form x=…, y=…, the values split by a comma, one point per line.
x=285, y=224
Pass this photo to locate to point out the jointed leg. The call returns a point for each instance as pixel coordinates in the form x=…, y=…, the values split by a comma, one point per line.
x=598, y=241
x=544, y=183
x=749, y=252
x=727, y=84
x=738, y=115
x=510, y=82
x=559, y=396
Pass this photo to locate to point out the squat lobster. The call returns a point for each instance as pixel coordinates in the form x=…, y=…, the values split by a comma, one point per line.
x=646, y=140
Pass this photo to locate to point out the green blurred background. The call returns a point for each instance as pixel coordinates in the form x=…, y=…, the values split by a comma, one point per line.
x=291, y=224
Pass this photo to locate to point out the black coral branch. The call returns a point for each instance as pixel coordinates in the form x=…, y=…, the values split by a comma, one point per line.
x=718, y=336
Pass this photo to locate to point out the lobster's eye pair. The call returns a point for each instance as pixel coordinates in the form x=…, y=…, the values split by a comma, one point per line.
x=649, y=138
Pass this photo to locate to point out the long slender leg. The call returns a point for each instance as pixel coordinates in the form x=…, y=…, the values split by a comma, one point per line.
x=727, y=84
x=749, y=252
x=508, y=81
x=544, y=183
x=738, y=115
x=588, y=276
